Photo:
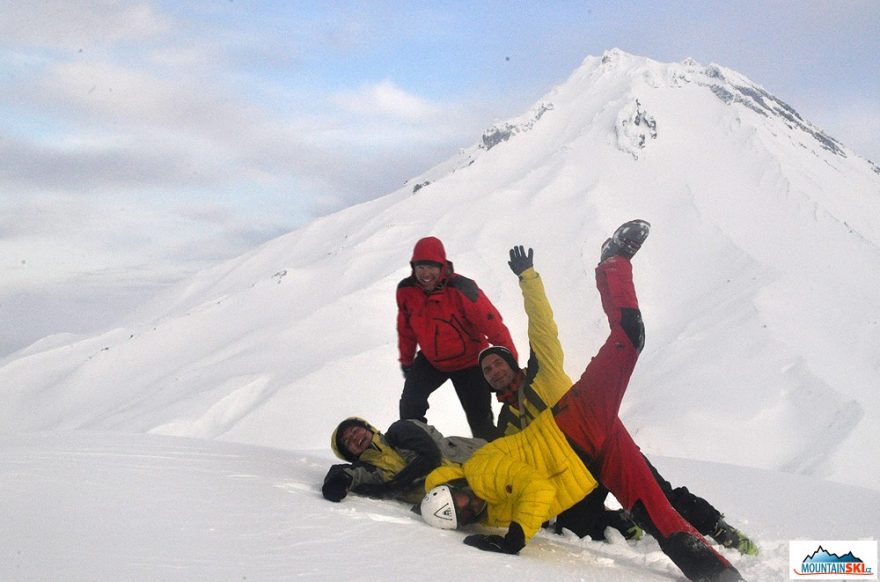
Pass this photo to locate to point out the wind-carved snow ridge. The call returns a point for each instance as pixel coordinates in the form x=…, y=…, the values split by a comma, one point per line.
x=634, y=126
x=499, y=133
x=763, y=103
x=223, y=414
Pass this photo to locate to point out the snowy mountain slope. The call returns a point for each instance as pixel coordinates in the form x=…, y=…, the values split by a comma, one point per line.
x=99, y=506
x=758, y=286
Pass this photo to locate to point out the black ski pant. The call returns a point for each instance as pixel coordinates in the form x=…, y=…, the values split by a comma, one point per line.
x=700, y=513
x=590, y=517
x=470, y=387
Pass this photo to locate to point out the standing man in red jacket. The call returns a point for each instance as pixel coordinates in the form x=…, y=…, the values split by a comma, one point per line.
x=449, y=319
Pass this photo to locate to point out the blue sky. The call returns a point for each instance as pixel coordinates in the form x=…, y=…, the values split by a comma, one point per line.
x=142, y=140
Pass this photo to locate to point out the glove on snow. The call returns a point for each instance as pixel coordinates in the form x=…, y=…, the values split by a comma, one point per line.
x=336, y=483
x=512, y=543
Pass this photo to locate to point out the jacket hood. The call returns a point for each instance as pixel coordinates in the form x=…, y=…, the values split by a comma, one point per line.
x=431, y=249
x=336, y=438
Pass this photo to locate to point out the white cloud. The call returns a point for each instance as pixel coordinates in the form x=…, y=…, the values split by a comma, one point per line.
x=387, y=100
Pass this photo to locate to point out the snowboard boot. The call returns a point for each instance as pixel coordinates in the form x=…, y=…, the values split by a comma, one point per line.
x=626, y=240
x=730, y=537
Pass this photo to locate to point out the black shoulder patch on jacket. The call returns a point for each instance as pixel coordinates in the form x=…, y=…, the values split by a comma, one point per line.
x=408, y=282
x=467, y=287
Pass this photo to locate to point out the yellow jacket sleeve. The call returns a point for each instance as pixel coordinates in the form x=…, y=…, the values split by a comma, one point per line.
x=550, y=380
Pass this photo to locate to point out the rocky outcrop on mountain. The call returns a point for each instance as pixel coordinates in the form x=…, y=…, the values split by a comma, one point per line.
x=634, y=128
x=763, y=103
x=502, y=132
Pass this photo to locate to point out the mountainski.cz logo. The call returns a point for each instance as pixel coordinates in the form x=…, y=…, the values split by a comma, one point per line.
x=833, y=560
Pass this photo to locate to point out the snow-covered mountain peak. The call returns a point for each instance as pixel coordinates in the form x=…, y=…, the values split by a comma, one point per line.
x=729, y=86
x=626, y=94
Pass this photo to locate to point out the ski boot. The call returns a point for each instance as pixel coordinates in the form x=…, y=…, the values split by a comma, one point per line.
x=626, y=240
x=730, y=537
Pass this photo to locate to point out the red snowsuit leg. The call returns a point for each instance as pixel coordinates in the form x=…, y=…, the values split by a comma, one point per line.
x=588, y=415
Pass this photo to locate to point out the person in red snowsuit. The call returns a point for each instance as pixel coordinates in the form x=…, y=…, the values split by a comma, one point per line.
x=588, y=415
x=519, y=478
x=449, y=319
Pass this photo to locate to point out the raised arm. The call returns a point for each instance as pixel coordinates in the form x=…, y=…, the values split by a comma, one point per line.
x=546, y=358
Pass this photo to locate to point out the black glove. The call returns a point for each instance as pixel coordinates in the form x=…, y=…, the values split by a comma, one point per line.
x=519, y=261
x=512, y=543
x=336, y=483
x=406, y=370
x=493, y=543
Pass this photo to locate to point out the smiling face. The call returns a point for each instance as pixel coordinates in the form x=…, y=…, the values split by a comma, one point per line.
x=356, y=439
x=498, y=373
x=428, y=276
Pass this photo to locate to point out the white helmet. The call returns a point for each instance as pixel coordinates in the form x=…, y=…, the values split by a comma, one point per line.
x=438, y=508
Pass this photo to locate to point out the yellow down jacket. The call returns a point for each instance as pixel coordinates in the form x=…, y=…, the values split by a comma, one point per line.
x=527, y=477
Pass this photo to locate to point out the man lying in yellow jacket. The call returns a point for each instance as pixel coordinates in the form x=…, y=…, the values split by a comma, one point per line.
x=522, y=480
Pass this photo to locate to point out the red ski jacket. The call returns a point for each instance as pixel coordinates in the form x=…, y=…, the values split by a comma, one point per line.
x=452, y=323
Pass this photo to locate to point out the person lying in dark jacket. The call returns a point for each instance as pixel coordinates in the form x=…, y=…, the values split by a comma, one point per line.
x=392, y=465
